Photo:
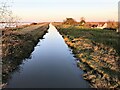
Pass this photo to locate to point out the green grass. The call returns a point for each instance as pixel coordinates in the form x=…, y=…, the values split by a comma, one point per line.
x=106, y=37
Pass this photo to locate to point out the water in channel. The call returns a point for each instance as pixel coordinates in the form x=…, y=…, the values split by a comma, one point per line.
x=51, y=65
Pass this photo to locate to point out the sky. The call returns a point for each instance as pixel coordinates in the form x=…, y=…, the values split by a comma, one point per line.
x=58, y=10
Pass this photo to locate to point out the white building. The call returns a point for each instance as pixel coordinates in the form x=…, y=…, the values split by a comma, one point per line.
x=102, y=26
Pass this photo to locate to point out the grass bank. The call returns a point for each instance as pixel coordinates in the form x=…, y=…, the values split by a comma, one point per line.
x=17, y=45
x=97, y=52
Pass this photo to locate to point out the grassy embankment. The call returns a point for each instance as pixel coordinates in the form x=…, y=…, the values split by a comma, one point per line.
x=98, y=52
x=17, y=45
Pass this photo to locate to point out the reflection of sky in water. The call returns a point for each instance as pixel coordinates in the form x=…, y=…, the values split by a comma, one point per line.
x=51, y=65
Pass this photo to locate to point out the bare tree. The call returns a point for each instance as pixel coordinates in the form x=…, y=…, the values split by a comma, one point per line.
x=82, y=21
x=5, y=13
x=7, y=19
x=112, y=24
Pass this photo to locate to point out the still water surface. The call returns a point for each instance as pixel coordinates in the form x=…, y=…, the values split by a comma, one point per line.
x=51, y=65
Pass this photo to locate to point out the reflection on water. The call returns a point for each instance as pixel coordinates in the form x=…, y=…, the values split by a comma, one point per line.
x=51, y=66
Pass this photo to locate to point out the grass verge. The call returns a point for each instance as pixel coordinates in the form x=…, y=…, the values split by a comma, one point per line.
x=98, y=54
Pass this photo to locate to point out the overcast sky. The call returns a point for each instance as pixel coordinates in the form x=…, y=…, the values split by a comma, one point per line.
x=57, y=10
